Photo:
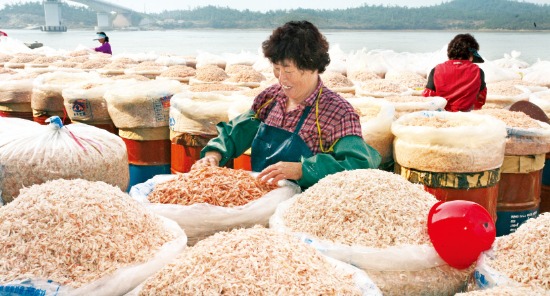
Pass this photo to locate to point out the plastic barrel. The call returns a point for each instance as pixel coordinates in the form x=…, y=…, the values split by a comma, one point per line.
x=519, y=191
x=186, y=150
x=16, y=110
x=518, y=200
x=243, y=162
x=479, y=187
x=147, y=159
x=150, y=152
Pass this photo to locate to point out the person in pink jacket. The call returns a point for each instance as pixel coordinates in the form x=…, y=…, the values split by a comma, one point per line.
x=104, y=40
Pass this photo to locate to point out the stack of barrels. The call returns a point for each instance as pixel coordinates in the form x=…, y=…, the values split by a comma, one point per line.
x=456, y=156
x=47, y=99
x=141, y=113
x=193, y=120
x=527, y=142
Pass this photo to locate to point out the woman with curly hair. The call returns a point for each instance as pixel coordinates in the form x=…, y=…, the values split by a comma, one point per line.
x=297, y=129
x=459, y=80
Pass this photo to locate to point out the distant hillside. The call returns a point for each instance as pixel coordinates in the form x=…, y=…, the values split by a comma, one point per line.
x=20, y=16
x=452, y=15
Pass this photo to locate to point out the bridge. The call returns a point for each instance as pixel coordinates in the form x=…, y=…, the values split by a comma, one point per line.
x=109, y=15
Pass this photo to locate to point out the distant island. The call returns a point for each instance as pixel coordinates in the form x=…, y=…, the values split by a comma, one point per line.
x=452, y=15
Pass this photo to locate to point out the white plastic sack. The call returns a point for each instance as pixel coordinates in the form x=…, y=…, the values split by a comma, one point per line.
x=86, y=102
x=16, y=89
x=542, y=100
x=47, y=88
x=337, y=82
x=362, y=280
x=538, y=73
x=239, y=107
x=144, y=104
x=415, y=268
x=11, y=45
x=372, y=61
x=486, y=277
x=494, y=73
x=406, y=104
x=512, y=61
x=118, y=283
x=380, y=88
x=205, y=58
x=170, y=60
x=410, y=257
x=337, y=60
x=263, y=65
x=471, y=143
x=8, y=124
x=376, y=117
x=202, y=220
x=34, y=154
x=499, y=100
x=242, y=58
x=519, y=258
x=198, y=113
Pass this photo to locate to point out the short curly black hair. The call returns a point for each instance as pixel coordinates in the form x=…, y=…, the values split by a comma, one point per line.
x=300, y=42
x=459, y=47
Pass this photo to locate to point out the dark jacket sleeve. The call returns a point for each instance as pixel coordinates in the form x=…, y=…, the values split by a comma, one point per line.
x=234, y=137
x=350, y=152
x=482, y=96
x=429, y=91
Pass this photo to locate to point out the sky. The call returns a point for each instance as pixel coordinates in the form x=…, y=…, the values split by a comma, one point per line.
x=152, y=6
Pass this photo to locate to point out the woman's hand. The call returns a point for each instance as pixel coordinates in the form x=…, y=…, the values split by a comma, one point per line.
x=281, y=171
x=211, y=158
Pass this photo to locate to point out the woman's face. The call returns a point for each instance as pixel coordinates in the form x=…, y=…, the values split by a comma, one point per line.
x=297, y=84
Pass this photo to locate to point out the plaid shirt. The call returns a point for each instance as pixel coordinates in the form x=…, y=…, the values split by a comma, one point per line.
x=337, y=117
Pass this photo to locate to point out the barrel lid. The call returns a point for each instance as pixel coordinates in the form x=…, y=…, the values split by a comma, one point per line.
x=531, y=110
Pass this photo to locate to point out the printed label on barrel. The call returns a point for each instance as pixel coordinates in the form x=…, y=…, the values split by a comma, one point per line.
x=82, y=109
x=161, y=108
x=508, y=222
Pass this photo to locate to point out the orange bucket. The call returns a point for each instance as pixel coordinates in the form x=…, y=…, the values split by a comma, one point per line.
x=243, y=162
x=186, y=150
x=154, y=152
x=183, y=158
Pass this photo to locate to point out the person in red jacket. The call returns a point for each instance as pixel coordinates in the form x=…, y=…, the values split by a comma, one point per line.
x=459, y=80
x=3, y=34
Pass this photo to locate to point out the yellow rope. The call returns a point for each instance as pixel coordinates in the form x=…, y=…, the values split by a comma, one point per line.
x=331, y=148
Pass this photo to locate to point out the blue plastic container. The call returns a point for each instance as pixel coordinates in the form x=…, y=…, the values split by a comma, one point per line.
x=142, y=173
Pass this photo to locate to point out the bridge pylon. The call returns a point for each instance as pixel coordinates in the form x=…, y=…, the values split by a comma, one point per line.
x=104, y=21
x=53, y=17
